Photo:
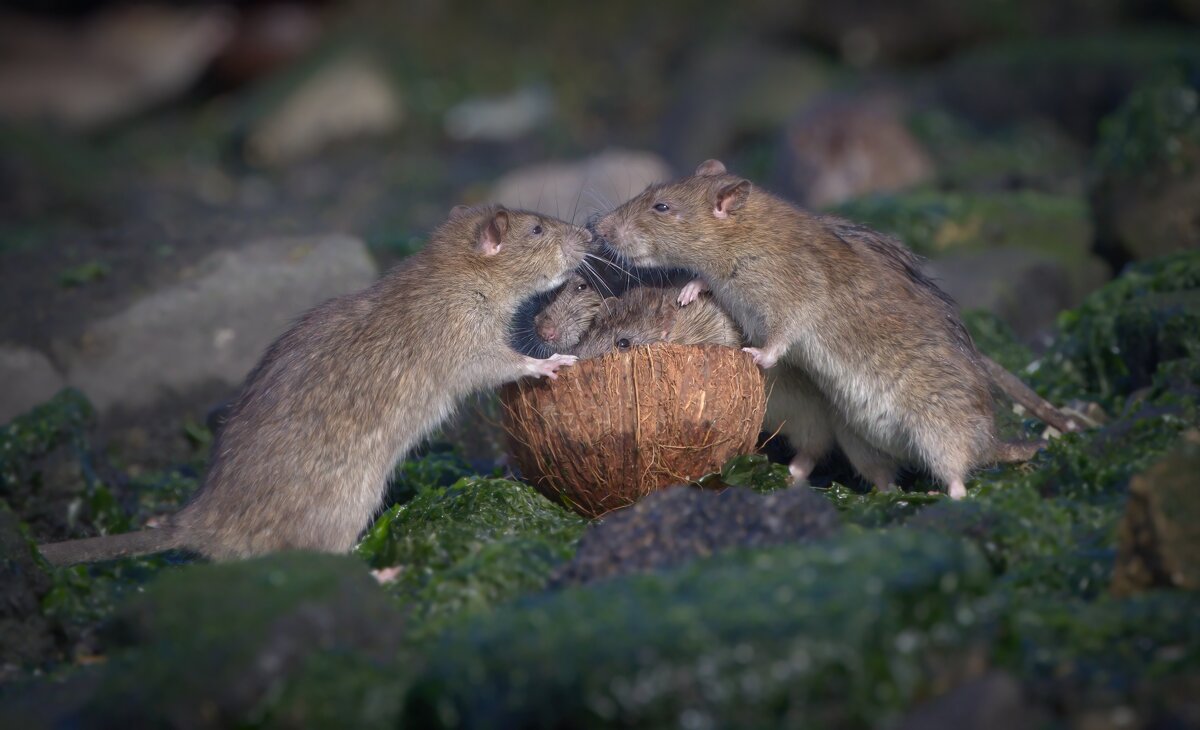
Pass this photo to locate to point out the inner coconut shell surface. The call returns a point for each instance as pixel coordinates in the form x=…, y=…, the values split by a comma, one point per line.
x=613, y=429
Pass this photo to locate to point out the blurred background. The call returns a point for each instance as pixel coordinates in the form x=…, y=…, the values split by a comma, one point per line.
x=180, y=180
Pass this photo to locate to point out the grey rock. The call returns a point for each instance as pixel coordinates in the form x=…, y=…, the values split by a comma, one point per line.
x=214, y=323
x=116, y=64
x=350, y=98
x=994, y=701
x=28, y=378
x=575, y=190
x=500, y=118
x=679, y=524
x=847, y=146
x=1025, y=288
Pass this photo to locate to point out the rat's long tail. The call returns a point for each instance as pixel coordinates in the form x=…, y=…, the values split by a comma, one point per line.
x=1021, y=393
x=1015, y=452
x=110, y=547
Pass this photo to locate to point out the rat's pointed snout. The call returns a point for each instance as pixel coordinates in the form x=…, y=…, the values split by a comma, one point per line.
x=545, y=328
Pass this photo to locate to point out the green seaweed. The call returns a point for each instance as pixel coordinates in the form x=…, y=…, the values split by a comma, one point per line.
x=84, y=274
x=748, y=470
x=1114, y=343
x=1155, y=132
x=1033, y=154
x=933, y=223
x=470, y=546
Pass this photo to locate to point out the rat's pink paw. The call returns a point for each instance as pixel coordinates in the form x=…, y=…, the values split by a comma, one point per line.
x=387, y=575
x=548, y=367
x=957, y=490
x=762, y=358
x=691, y=291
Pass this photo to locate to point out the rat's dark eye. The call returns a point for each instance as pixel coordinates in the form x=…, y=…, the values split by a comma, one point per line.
x=662, y=207
x=623, y=344
x=537, y=230
x=581, y=287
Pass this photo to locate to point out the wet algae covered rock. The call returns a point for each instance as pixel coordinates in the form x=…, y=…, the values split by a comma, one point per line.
x=1147, y=173
x=469, y=546
x=289, y=638
x=1160, y=532
x=27, y=636
x=827, y=635
x=1142, y=330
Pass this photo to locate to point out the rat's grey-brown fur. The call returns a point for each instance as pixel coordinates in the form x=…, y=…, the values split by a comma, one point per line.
x=303, y=461
x=646, y=314
x=881, y=342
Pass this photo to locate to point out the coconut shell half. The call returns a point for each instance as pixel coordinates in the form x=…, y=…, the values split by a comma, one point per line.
x=613, y=429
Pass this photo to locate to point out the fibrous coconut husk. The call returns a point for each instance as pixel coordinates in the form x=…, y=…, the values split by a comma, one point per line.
x=615, y=428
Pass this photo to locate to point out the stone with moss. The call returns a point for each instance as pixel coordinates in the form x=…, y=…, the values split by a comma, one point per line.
x=842, y=633
x=1160, y=531
x=227, y=645
x=1142, y=331
x=1022, y=255
x=469, y=547
x=27, y=636
x=1147, y=173
x=1072, y=80
x=47, y=473
x=1028, y=154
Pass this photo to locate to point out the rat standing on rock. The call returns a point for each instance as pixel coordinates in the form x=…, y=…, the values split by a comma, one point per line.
x=341, y=397
x=846, y=305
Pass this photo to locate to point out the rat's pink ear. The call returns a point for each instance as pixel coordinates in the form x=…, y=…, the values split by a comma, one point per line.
x=492, y=235
x=731, y=197
x=459, y=210
x=711, y=167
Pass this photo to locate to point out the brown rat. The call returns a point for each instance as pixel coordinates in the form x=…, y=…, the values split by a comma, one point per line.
x=563, y=321
x=646, y=314
x=795, y=406
x=844, y=304
x=304, y=458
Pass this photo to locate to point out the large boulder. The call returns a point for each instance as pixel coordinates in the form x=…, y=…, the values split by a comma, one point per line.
x=214, y=322
x=1147, y=174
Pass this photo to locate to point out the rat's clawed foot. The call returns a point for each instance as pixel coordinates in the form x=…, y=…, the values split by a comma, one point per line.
x=957, y=490
x=691, y=291
x=548, y=367
x=762, y=358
